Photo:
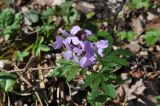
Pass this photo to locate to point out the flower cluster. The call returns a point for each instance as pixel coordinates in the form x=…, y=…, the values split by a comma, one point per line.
x=78, y=48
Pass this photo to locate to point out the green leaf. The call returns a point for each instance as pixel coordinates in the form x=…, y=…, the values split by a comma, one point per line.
x=103, y=34
x=89, y=80
x=71, y=18
x=110, y=42
x=93, y=38
x=152, y=36
x=95, y=86
x=7, y=17
x=101, y=98
x=31, y=17
x=72, y=73
x=115, y=59
x=90, y=15
x=38, y=46
x=56, y=72
x=65, y=62
x=158, y=98
x=44, y=48
x=119, y=52
x=8, y=1
x=39, y=41
x=137, y=4
x=48, y=12
x=21, y=55
x=130, y=36
x=122, y=35
x=4, y=75
x=109, y=89
x=7, y=81
x=36, y=51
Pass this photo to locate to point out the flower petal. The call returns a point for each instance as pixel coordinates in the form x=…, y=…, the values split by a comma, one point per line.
x=75, y=29
x=75, y=40
x=86, y=62
x=65, y=33
x=88, y=32
x=77, y=51
x=67, y=42
x=100, y=52
x=58, y=43
x=83, y=61
x=67, y=55
x=102, y=44
x=75, y=58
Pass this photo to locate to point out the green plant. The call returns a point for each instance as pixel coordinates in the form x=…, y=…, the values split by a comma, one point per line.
x=31, y=17
x=38, y=47
x=7, y=82
x=130, y=36
x=137, y=4
x=9, y=23
x=101, y=79
x=152, y=36
x=20, y=55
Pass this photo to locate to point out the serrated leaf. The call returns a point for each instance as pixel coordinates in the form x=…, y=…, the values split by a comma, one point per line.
x=101, y=98
x=120, y=52
x=57, y=71
x=89, y=80
x=7, y=17
x=95, y=86
x=117, y=60
x=72, y=73
x=109, y=89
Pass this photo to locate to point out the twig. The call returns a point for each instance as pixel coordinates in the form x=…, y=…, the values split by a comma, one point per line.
x=28, y=83
x=21, y=77
x=119, y=9
x=32, y=69
x=38, y=97
x=30, y=59
x=21, y=94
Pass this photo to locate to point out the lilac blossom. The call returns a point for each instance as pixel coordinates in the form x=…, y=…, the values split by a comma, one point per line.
x=78, y=49
x=59, y=42
x=100, y=45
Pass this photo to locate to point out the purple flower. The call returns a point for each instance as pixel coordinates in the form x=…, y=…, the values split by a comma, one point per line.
x=75, y=59
x=74, y=30
x=87, y=32
x=77, y=51
x=89, y=49
x=67, y=55
x=73, y=40
x=86, y=62
x=100, y=45
x=58, y=43
x=65, y=33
